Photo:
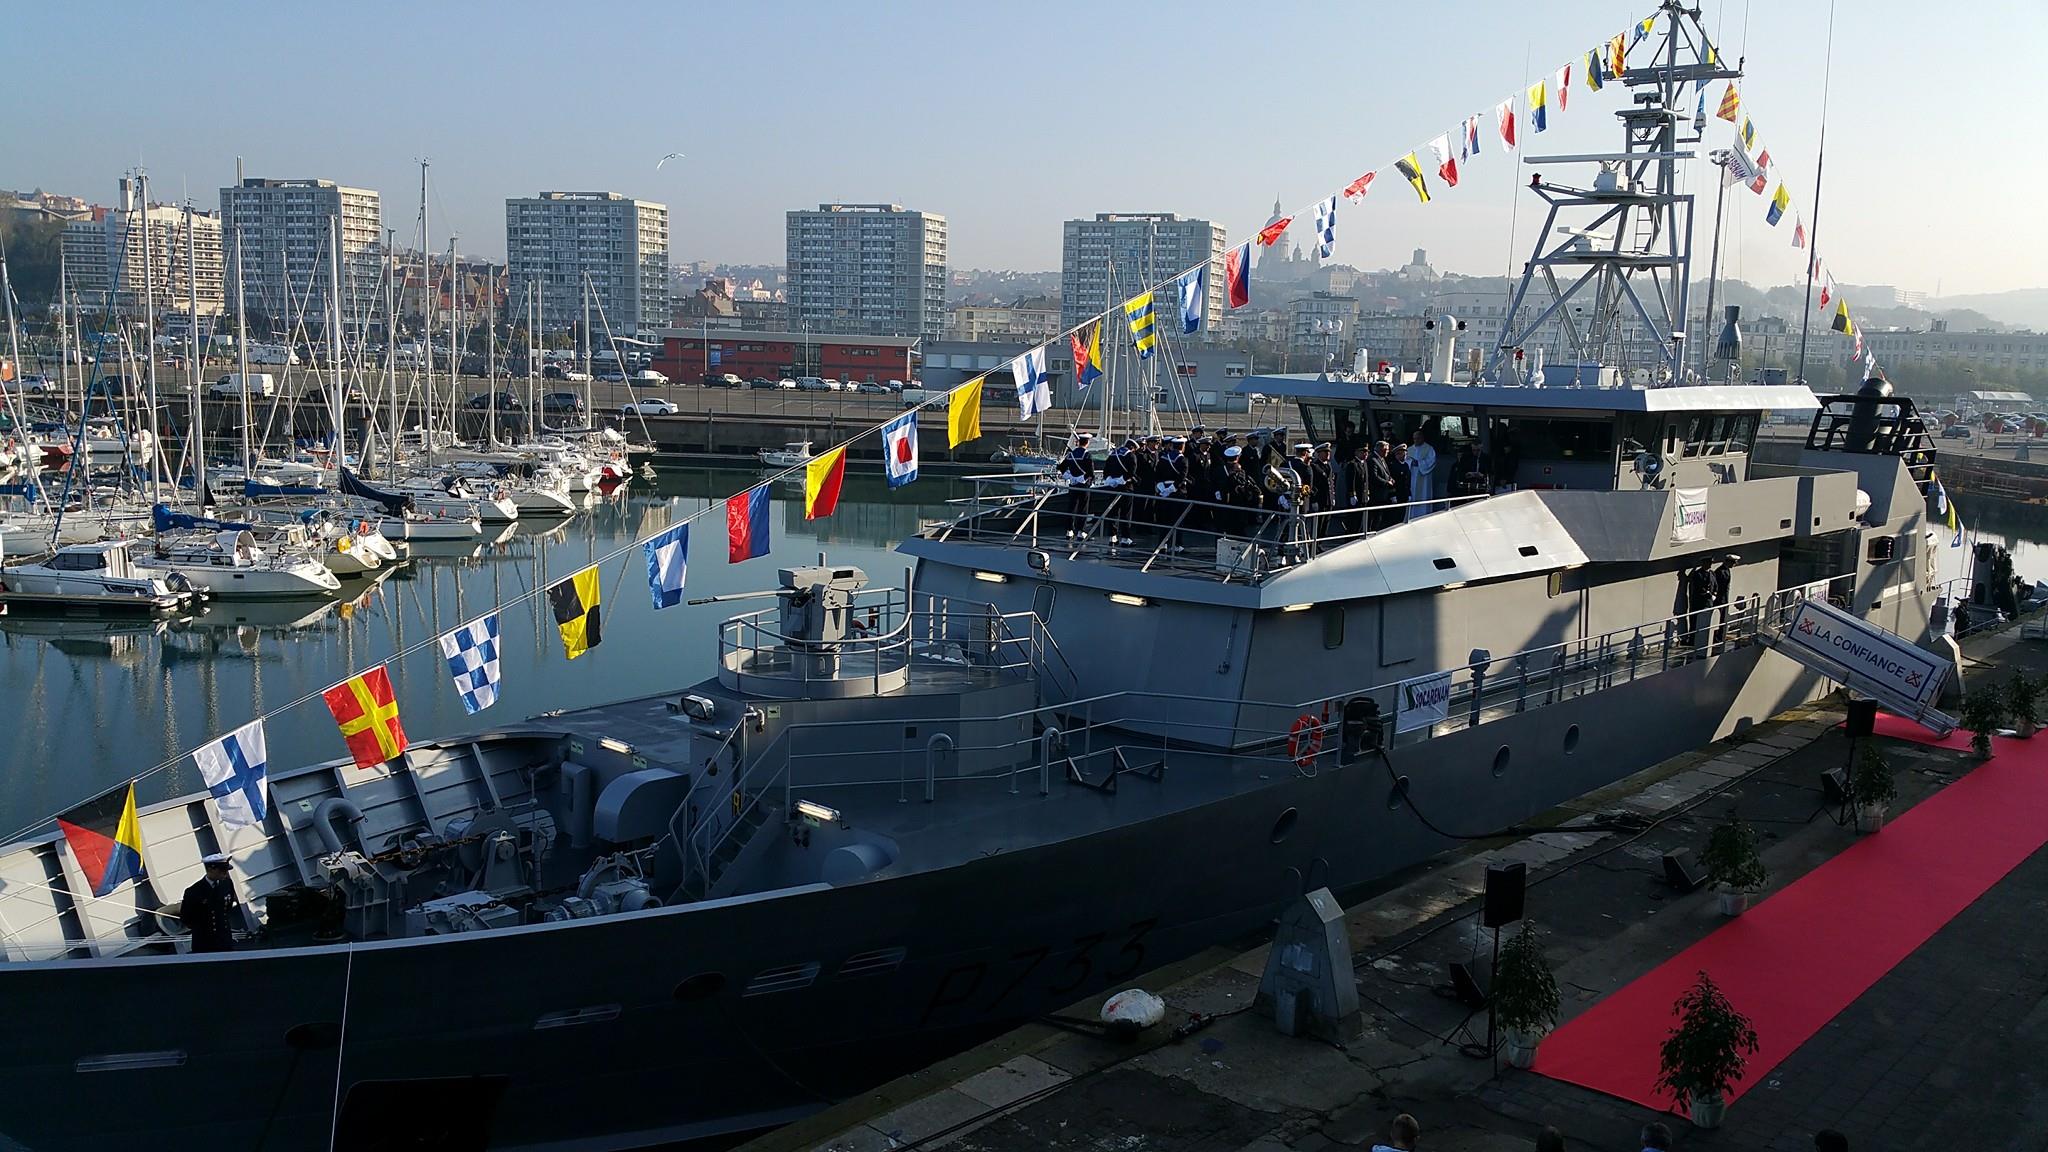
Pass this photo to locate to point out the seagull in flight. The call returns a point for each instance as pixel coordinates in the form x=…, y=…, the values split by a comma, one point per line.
x=666, y=159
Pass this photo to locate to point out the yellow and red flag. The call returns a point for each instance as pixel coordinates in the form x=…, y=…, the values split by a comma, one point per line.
x=367, y=711
x=823, y=477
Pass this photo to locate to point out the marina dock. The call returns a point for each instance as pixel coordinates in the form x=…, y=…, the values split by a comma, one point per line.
x=1889, y=1070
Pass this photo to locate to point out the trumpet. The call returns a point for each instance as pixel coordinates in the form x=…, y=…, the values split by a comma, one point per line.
x=1285, y=480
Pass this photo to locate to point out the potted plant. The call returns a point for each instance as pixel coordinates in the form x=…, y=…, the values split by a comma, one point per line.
x=2023, y=703
x=1524, y=995
x=1983, y=714
x=1873, y=787
x=1734, y=866
x=1705, y=1053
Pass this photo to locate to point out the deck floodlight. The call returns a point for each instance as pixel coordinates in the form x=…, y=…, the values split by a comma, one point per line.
x=813, y=813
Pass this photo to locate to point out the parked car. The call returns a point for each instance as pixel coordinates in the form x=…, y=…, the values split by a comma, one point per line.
x=612, y=376
x=236, y=384
x=648, y=378
x=761, y=382
x=786, y=384
x=870, y=388
x=833, y=385
x=506, y=401
x=814, y=384
x=562, y=403
x=575, y=376
x=651, y=406
x=34, y=385
x=1956, y=432
x=893, y=385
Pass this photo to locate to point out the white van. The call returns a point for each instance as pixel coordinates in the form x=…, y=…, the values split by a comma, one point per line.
x=236, y=384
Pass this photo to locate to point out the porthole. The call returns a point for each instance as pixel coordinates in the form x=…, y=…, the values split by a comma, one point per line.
x=1500, y=761
x=1284, y=825
x=702, y=986
x=1571, y=742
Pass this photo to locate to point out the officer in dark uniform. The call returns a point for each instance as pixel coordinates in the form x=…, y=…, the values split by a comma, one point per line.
x=1172, y=486
x=1119, y=474
x=1147, y=476
x=210, y=910
x=1322, y=492
x=1077, y=469
x=1242, y=492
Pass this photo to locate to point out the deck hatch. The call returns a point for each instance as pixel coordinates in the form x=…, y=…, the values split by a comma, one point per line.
x=788, y=978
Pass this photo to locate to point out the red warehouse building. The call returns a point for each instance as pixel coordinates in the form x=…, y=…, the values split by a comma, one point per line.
x=687, y=355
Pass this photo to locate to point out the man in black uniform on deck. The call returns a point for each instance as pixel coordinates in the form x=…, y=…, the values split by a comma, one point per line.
x=1077, y=469
x=1242, y=492
x=209, y=910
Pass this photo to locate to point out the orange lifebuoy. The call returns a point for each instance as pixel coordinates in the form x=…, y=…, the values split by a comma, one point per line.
x=1305, y=739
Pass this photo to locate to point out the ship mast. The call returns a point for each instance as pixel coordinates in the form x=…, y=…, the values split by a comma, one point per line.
x=1627, y=237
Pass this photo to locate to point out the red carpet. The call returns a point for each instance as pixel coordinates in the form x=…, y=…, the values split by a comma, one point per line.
x=1794, y=961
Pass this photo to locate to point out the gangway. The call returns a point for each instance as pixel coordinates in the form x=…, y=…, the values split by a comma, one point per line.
x=1884, y=666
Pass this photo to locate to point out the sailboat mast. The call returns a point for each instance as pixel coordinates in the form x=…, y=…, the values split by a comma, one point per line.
x=390, y=351
x=149, y=324
x=337, y=396
x=242, y=353
x=426, y=322
x=197, y=424
x=454, y=329
x=533, y=355
x=491, y=358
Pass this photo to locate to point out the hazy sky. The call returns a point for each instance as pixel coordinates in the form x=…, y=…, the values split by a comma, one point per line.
x=1008, y=118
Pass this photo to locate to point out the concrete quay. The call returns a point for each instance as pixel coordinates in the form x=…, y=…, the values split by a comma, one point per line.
x=1941, y=1053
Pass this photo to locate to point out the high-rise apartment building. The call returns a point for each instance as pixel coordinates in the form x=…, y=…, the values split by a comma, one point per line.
x=1116, y=255
x=104, y=254
x=283, y=228
x=867, y=270
x=610, y=247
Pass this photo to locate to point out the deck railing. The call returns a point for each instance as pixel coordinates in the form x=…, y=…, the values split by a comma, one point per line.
x=1172, y=534
x=1092, y=741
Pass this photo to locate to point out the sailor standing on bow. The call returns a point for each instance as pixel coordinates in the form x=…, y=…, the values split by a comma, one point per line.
x=1077, y=469
x=1118, y=472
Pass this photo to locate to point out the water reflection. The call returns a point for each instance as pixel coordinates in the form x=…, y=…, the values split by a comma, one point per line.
x=84, y=704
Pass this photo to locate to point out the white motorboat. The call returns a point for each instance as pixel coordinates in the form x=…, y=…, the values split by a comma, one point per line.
x=544, y=492
x=100, y=576
x=288, y=474
x=347, y=545
x=106, y=442
x=416, y=527
x=230, y=564
x=788, y=456
x=462, y=499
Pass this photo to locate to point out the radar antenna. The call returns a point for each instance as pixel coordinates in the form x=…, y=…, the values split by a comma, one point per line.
x=1615, y=259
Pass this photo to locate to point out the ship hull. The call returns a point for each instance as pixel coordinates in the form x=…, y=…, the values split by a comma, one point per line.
x=738, y=1014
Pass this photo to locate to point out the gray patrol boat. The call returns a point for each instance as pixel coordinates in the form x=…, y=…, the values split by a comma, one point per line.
x=892, y=820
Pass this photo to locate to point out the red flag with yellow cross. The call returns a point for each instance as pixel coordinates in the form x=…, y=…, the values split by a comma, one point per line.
x=367, y=711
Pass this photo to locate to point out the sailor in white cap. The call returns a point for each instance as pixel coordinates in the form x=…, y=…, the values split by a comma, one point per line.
x=1077, y=468
x=1241, y=491
x=210, y=910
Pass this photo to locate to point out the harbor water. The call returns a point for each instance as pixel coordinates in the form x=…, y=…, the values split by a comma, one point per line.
x=87, y=704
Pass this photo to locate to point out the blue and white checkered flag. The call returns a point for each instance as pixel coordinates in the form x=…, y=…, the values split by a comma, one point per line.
x=233, y=768
x=1326, y=227
x=472, y=652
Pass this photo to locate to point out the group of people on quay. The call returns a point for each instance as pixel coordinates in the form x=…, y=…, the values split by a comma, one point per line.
x=1225, y=483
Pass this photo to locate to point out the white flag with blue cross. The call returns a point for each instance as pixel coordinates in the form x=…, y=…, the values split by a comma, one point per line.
x=234, y=768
